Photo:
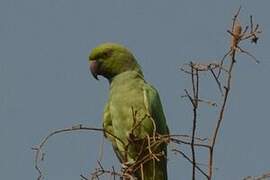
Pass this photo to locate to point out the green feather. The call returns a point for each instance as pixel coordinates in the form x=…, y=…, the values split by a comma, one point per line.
x=133, y=112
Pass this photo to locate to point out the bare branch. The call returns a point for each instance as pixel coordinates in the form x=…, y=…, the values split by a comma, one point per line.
x=38, y=149
x=225, y=68
x=190, y=160
x=264, y=176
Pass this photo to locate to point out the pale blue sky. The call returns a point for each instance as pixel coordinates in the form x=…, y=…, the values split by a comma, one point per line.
x=46, y=85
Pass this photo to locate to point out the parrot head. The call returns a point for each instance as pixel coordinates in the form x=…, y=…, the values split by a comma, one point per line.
x=111, y=59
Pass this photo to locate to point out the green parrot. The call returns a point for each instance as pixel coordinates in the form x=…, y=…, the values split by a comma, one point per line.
x=133, y=115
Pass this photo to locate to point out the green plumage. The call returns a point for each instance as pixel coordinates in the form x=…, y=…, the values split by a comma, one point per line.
x=133, y=112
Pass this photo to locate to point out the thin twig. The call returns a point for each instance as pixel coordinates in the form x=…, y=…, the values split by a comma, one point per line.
x=264, y=176
x=195, y=87
x=190, y=160
x=38, y=148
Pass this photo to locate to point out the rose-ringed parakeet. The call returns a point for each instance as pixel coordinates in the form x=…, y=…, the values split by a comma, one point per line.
x=133, y=115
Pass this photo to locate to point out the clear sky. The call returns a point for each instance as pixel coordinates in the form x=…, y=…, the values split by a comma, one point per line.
x=46, y=85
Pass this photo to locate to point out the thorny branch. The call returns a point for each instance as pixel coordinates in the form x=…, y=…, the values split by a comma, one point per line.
x=237, y=36
x=39, y=154
x=194, y=102
x=127, y=170
x=100, y=171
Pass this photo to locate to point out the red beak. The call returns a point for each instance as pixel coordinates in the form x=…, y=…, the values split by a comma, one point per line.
x=94, y=69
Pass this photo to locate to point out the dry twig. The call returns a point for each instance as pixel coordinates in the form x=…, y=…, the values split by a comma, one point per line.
x=39, y=154
x=238, y=34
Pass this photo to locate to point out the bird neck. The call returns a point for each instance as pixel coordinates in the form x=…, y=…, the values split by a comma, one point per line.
x=126, y=76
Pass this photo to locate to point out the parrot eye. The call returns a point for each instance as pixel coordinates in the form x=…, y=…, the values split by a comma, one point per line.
x=107, y=53
x=104, y=54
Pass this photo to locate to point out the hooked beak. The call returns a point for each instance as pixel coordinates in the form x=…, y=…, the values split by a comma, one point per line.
x=94, y=69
